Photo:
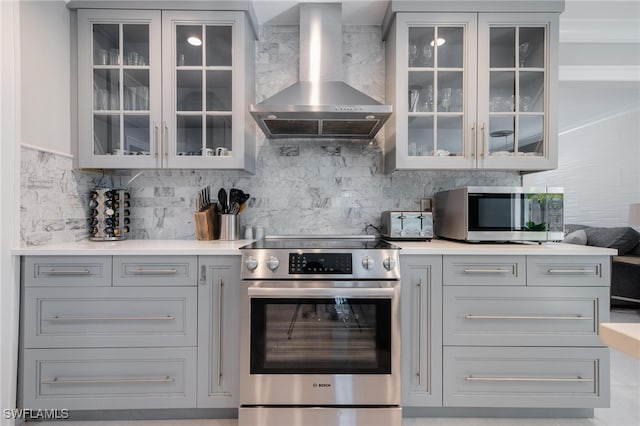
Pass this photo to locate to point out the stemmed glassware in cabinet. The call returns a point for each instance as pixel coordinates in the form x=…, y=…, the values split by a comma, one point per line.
x=523, y=52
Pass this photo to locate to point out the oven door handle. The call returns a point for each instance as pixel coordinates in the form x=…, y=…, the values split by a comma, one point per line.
x=322, y=292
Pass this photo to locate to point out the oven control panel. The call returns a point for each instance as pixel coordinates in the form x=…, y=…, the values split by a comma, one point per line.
x=320, y=263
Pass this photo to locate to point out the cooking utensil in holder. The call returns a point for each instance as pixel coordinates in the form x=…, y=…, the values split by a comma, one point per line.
x=109, y=214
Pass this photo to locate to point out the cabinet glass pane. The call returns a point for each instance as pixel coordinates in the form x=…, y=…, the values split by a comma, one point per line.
x=189, y=135
x=219, y=134
x=450, y=47
x=219, y=46
x=219, y=95
x=420, y=136
x=502, y=48
x=106, y=42
x=531, y=47
x=531, y=135
x=106, y=89
x=502, y=91
x=450, y=91
x=136, y=90
x=189, y=96
x=106, y=134
x=136, y=135
x=501, y=132
x=189, y=45
x=421, y=50
x=449, y=136
x=531, y=92
x=421, y=92
x=135, y=44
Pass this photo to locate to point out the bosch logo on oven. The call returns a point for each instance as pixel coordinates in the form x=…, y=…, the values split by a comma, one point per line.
x=322, y=385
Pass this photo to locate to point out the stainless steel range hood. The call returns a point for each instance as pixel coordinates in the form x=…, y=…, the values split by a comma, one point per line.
x=320, y=105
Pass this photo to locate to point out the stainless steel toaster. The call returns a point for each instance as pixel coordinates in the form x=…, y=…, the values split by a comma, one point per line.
x=414, y=225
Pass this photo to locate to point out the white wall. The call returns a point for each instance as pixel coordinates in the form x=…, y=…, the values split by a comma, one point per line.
x=46, y=87
x=599, y=151
x=9, y=168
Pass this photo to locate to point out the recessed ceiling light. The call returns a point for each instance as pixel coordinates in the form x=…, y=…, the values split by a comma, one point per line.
x=194, y=41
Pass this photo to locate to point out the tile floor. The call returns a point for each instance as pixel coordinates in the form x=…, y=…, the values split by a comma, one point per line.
x=624, y=410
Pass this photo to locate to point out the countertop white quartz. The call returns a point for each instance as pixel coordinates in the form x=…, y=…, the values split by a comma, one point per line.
x=217, y=247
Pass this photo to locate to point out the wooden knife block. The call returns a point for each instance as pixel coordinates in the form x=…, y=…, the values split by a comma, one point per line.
x=205, y=226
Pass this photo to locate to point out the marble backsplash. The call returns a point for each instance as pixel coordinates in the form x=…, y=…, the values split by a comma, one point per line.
x=332, y=187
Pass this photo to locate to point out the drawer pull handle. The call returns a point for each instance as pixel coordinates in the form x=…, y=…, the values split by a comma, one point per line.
x=68, y=272
x=487, y=271
x=527, y=317
x=573, y=271
x=155, y=271
x=528, y=379
x=163, y=318
x=59, y=381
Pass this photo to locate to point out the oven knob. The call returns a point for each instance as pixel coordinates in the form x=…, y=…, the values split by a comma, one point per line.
x=368, y=263
x=273, y=263
x=252, y=263
x=389, y=264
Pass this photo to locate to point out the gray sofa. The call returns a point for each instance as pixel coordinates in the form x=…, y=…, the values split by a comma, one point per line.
x=625, y=267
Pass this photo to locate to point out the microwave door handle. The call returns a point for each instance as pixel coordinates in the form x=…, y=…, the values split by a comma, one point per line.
x=324, y=292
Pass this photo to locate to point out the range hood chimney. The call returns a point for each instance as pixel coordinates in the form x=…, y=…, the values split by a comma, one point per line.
x=320, y=105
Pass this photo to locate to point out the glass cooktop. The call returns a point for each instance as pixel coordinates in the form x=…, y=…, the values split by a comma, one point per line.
x=298, y=242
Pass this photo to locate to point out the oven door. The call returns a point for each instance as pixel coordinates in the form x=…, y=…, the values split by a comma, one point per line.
x=320, y=343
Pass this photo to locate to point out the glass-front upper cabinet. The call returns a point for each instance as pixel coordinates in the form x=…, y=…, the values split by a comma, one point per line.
x=517, y=78
x=472, y=90
x=119, y=89
x=205, y=89
x=435, y=80
x=165, y=89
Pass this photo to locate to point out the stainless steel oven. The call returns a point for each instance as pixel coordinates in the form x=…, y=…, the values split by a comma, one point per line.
x=320, y=333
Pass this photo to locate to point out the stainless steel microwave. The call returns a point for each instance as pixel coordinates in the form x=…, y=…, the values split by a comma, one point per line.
x=500, y=213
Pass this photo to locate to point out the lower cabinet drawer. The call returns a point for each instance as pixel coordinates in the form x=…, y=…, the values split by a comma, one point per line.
x=569, y=270
x=110, y=317
x=66, y=271
x=484, y=270
x=155, y=270
x=526, y=377
x=524, y=316
x=87, y=379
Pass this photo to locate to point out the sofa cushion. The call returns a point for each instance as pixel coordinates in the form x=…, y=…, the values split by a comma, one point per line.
x=624, y=239
x=576, y=237
x=573, y=227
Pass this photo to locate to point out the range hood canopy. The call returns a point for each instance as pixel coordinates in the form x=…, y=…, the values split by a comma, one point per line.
x=320, y=105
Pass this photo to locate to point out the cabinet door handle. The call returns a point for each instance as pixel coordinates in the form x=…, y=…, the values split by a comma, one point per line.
x=593, y=271
x=155, y=138
x=487, y=271
x=124, y=318
x=221, y=285
x=59, y=381
x=484, y=140
x=203, y=275
x=155, y=271
x=474, y=147
x=68, y=272
x=419, y=373
x=527, y=317
x=165, y=140
x=528, y=379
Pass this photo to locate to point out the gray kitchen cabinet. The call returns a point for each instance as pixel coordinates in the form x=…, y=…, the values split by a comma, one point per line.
x=109, y=378
x=165, y=89
x=522, y=316
x=522, y=331
x=73, y=317
x=471, y=90
x=155, y=270
x=218, y=331
x=66, y=271
x=421, y=299
x=108, y=332
x=484, y=270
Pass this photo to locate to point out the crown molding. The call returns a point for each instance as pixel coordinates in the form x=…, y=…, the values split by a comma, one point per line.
x=599, y=30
